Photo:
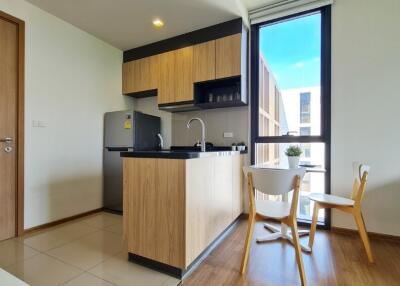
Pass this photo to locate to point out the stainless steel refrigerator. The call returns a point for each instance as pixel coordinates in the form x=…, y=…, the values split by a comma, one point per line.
x=126, y=130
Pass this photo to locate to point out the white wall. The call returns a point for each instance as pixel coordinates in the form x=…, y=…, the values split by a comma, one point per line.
x=365, y=107
x=72, y=78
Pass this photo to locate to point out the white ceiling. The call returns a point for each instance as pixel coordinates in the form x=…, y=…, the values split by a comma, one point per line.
x=126, y=24
x=254, y=4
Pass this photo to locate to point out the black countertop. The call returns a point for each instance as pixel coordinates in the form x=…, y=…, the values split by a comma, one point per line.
x=183, y=153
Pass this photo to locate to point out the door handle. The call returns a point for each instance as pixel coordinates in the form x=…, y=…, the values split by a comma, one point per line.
x=6, y=140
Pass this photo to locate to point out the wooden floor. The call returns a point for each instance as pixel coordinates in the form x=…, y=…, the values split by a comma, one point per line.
x=337, y=259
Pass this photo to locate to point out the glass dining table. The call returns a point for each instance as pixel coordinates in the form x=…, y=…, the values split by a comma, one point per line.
x=283, y=232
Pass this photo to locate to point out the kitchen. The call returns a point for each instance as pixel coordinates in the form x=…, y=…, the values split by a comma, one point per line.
x=145, y=142
x=209, y=63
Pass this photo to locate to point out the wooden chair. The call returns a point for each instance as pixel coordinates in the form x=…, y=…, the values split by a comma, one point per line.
x=274, y=182
x=352, y=206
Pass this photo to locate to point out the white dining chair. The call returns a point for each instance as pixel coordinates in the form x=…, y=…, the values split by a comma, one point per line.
x=274, y=182
x=350, y=205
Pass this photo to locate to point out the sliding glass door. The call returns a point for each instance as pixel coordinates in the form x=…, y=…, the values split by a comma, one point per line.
x=290, y=72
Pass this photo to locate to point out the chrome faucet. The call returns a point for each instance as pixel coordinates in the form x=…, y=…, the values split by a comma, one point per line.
x=203, y=132
x=161, y=141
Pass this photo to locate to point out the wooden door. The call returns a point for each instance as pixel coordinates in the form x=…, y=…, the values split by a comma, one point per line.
x=228, y=56
x=166, y=86
x=204, y=61
x=8, y=126
x=184, y=74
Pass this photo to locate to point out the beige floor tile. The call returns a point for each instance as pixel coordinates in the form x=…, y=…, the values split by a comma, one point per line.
x=89, y=250
x=57, y=236
x=120, y=271
x=42, y=270
x=102, y=220
x=171, y=281
x=115, y=228
x=87, y=279
x=12, y=251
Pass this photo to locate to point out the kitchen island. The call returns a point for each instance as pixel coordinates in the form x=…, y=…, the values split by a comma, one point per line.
x=177, y=204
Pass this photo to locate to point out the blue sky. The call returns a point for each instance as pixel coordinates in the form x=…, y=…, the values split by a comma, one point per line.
x=292, y=50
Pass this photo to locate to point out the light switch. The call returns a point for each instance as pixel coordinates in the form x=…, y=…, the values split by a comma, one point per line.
x=228, y=134
x=39, y=123
x=42, y=123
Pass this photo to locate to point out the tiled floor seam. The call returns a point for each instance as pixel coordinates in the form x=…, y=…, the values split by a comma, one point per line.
x=81, y=271
x=99, y=276
x=63, y=244
x=115, y=255
x=70, y=241
x=70, y=279
x=111, y=256
x=66, y=263
x=85, y=272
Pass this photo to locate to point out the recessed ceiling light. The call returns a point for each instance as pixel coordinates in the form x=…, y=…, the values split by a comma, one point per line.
x=158, y=23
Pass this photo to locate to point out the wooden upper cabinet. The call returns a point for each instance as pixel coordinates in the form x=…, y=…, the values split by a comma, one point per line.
x=204, y=61
x=140, y=75
x=173, y=73
x=166, y=78
x=176, y=76
x=184, y=74
x=127, y=77
x=228, y=56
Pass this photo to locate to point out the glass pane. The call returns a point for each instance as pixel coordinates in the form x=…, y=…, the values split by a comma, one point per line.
x=289, y=77
x=314, y=180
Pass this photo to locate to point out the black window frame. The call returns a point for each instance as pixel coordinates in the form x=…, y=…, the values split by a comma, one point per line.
x=325, y=135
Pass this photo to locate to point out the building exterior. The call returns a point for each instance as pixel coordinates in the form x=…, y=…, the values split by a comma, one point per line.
x=295, y=111
x=272, y=118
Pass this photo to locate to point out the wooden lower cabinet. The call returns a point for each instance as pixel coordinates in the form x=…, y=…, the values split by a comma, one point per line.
x=174, y=209
x=153, y=188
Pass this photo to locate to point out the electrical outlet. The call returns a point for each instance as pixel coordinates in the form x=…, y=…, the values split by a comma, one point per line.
x=228, y=135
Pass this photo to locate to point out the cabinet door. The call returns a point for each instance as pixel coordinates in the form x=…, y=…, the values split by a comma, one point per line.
x=140, y=75
x=204, y=61
x=127, y=77
x=228, y=56
x=166, y=85
x=200, y=220
x=222, y=209
x=155, y=199
x=183, y=76
x=145, y=74
x=237, y=183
